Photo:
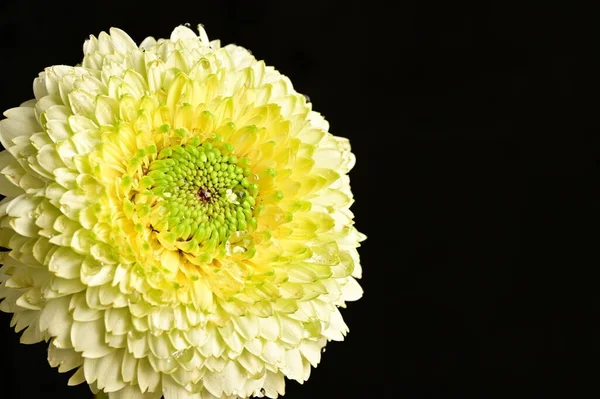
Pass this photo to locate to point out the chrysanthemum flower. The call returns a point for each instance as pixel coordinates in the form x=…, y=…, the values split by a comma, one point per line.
x=178, y=221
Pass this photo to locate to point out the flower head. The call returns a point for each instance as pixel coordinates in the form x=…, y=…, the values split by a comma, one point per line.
x=178, y=221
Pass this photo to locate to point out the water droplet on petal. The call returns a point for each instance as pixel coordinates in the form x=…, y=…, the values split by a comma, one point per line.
x=167, y=365
x=93, y=268
x=184, y=356
x=34, y=297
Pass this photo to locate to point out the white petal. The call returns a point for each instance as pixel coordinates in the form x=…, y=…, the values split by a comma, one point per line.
x=121, y=41
x=109, y=372
x=90, y=369
x=94, y=274
x=173, y=390
x=351, y=291
x=129, y=367
x=183, y=32
x=291, y=330
x=161, y=319
x=7, y=187
x=130, y=392
x=254, y=346
x=213, y=383
x=136, y=82
x=148, y=42
x=293, y=368
x=90, y=45
x=148, y=378
x=54, y=75
x=82, y=103
x=231, y=338
x=39, y=86
x=137, y=344
x=81, y=309
x=336, y=329
x=269, y=328
x=77, y=378
x=107, y=110
x=251, y=363
x=247, y=326
x=214, y=345
x=66, y=263
x=20, y=121
x=56, y=320
x=88, y=337
x=274, y=384
x=62, y=287
x=311, y=351
x=160, y=346
x=117, y=320
x=80, y=123
x=233, y=379
x=65, y=359
x=273, y=353
x=44, y=104
x=58, y=130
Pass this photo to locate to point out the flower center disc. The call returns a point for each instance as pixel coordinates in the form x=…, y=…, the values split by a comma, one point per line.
x=199, y=194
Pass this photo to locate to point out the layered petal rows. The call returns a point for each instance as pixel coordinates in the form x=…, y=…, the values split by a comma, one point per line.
x=177, y=219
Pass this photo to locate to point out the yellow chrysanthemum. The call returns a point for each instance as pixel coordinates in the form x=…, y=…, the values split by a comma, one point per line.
x=178, y=221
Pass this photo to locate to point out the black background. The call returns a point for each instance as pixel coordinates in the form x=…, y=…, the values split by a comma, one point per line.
x=476, y=133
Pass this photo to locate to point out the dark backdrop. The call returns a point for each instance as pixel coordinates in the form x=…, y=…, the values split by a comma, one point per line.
x=476, y=133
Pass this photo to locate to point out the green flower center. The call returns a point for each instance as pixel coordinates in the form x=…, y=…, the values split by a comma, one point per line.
x=200, y=192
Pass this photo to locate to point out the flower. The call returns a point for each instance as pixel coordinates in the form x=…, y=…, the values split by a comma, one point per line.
x=178, y=221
